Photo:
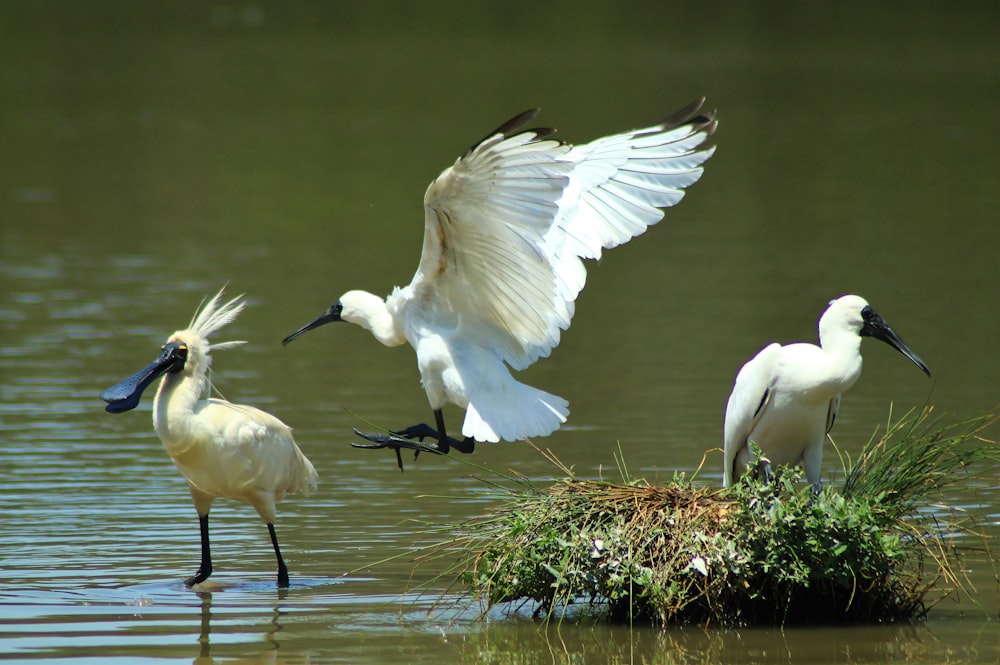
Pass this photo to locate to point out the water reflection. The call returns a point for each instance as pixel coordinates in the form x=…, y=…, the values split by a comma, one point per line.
x=892, y=644
x=269, y=630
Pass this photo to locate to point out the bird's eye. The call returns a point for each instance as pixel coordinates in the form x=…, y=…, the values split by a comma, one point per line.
x=180, y=355
x=868, y=313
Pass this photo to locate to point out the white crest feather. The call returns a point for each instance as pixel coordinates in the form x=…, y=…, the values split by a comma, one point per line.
x=211, y=317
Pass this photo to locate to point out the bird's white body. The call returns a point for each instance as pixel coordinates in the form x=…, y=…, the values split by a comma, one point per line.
x=224, y=449
x=232, y=451
x=787, y=397
x=505, y=230
x=802, y=384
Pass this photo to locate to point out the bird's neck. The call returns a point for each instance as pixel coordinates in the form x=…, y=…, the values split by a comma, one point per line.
x=175, y=402
x=376, y=316
x=844, y=352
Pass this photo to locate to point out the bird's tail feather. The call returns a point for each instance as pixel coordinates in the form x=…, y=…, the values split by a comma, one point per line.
x=308, y=479
x=516, y=412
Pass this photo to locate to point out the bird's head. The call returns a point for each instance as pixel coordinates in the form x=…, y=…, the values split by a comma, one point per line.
x=185, y=352
x=125, y=395
x=853, y=313
x=361, y=308
x=333, y=313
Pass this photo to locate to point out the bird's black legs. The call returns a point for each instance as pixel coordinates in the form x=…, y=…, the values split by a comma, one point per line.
x=282, y=569
x=205, y=569
x=404, y=438
x=765, y=470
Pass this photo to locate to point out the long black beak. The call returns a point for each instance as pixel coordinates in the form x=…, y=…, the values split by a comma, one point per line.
x=329, y=316
x=875, y=326
x=124, y=395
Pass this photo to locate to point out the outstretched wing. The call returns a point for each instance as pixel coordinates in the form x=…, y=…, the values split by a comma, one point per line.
x=506, y=226
x=752, y=394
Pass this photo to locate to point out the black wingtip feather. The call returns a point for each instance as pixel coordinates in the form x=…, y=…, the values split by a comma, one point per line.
x=689, y=115
x=515, y=122
x=507, y=128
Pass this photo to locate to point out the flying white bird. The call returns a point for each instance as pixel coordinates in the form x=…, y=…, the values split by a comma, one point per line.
x=787, y=397
x=505, y=229
x=222, y=449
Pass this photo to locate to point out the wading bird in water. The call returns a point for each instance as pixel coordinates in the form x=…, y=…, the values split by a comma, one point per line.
x=786, y=398
x=505, y=229
x=222, y=449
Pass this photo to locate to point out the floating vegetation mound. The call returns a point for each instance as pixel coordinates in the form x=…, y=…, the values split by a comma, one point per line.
x=753, y=554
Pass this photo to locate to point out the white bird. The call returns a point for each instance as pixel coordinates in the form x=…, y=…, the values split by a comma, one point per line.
x=505, y=229
x=786, y=398
x=222, y=449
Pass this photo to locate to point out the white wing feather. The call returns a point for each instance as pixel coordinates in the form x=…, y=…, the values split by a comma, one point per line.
x=747, y=404
x=507, y=224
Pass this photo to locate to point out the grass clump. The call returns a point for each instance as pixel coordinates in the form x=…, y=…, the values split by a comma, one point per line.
x=609, y=544
x=752, y=554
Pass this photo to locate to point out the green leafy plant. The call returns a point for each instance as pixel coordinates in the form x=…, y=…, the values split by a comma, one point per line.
x=753, y=554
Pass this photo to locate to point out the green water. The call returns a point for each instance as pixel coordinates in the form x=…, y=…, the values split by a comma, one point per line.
x=151, y=153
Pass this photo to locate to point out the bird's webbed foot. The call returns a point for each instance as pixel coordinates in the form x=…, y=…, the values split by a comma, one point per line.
x=412, y=438
x=396, y=443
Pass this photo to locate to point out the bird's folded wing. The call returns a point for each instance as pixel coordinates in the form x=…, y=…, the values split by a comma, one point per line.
x=752, y=392
x=506, y=225
x=255, y=448
x=831, y=413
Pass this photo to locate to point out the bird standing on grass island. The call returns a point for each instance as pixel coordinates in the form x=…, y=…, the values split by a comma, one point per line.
x=505, y=229
x=786, y=398
x=222, y=449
